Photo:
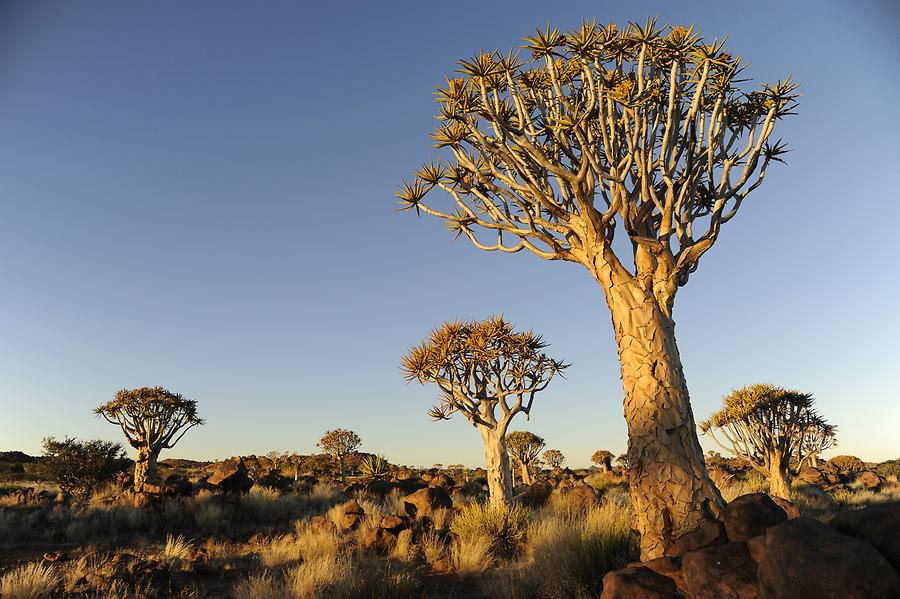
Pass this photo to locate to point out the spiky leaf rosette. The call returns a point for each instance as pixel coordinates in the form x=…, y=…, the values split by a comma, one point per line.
x=645, y=128
x=480, y=365
x=151, y=416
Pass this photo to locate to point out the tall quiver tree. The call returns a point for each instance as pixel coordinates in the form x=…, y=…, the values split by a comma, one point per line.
x=603, y=459
x=153, y=419
x=641, y=131
x=770, y=428
x=340, y=443
x=488, y=372
x=525, y=449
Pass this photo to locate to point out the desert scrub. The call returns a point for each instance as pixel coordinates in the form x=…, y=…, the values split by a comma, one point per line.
x=814, y=503
x=503, y=526
x=31, y=581
x=568, y=553
x=471, y=555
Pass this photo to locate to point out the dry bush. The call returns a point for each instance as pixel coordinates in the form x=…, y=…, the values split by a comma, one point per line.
x=433, y=547
x=471, y=555
x=321, y=575
x=315, y=543
x=281, y=550
x=404, y=550
x=177, y=550
x=440, y=518
x=31, y=581
x=505, y=527
x=260, y=586
x=569, y=552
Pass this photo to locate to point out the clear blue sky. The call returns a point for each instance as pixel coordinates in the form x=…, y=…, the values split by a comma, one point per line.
x=199, y=195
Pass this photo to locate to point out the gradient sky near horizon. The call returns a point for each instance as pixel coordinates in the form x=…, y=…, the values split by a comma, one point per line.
x=199, y=195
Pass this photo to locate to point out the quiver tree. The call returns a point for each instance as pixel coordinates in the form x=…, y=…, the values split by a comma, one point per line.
x=603, y=459
x=488, y=372
x=641, y=131
x=815, y=439
x=340, y=443
x=554, y=458
x=766, y=426
x=525, y=448
x=152, y=419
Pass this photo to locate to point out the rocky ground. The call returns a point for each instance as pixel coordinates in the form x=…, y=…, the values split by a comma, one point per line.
x=240, y=528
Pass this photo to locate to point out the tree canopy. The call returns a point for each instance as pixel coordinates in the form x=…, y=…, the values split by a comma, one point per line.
x=151, y=416
x=645, y=125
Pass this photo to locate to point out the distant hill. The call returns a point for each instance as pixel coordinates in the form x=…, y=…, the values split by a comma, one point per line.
x=16, y=457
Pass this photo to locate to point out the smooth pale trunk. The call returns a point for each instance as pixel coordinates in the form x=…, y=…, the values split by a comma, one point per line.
x=671, y=491
x=779, y=480
x=526, y=475
x=498, y=473
x=144, y=467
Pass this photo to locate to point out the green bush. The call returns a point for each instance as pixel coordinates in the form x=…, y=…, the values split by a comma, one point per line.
x=79, y=466
x=505, y=527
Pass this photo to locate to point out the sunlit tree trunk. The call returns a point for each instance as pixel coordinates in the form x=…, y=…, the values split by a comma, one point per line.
x=526, y=474
x=671, y=490
x=498, y=471
x=779, y=479
x=144, y=466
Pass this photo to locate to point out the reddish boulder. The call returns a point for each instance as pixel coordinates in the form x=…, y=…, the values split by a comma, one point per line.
x=537, y=495
x=750, y=515
x=878, y=525
x=425, y=501
x=408, y=486
x=869, y=480
x=812, y=476
x=710, y=532
x=353, y=515
x=177, y=486
x=720, y=572
x=583, y=496
x=638, y=582
x=791, y=510
x=231, y=476
x=393, y=523
x=376, y=540
x=443, y=481
x=805, y=558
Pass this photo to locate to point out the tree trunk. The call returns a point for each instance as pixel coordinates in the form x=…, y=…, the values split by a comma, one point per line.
x=498, y=473
x=526, y=475
x=779, y=480
x=144, y=467
x=671, y=490
x=343, y=470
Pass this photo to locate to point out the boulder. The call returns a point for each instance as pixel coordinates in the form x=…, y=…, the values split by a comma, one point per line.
x=177, y=486
x=811, y=476
x=791, y=510
x=231, y=476
x=805, y=558
x=443, y=481
x=638, y=582
x=869, y=480
x=709, y=533
x=379, y=487
x=537, y=495
x=275, y=480
x=878, y=525
x=353, y=515
x=583, y=496
x=408, y=486
x=376, y=540
x=393, y=523
x=750, y=515
x=425, y=501
x=720, y=572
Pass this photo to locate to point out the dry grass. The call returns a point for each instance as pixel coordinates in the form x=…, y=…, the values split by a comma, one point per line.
x=31, y=581
x=320, y=575
x=432, y=547
x=404, y=550
x=471, y=555
x=177, y=549
x=504, y=526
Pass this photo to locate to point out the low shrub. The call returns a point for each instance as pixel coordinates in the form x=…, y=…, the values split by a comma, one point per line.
x=504, y=527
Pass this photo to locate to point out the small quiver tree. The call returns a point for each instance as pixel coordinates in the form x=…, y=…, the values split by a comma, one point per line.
x=766, y=426
x=603, y=459
x=340, y=443
x=78, y=467
x=643, y=132
x=152, y=419
x=525, y=448
x=554, y=458
x=488, y=372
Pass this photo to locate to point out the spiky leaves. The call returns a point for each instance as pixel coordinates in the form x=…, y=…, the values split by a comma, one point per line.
x=762, y=423
x=480, y=366
x=644, y=129
x=151, y=417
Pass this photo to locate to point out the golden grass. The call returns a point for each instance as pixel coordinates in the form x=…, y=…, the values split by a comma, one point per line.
x=471, y=555
x=31, y=581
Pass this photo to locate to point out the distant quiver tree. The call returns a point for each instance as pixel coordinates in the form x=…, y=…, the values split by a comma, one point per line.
x=603, y=459
x=488, y=372
x=554, y=458
x=340, y=443
x=525, y=449
x=643, y=132
x=153, y=419
x=768, y=427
